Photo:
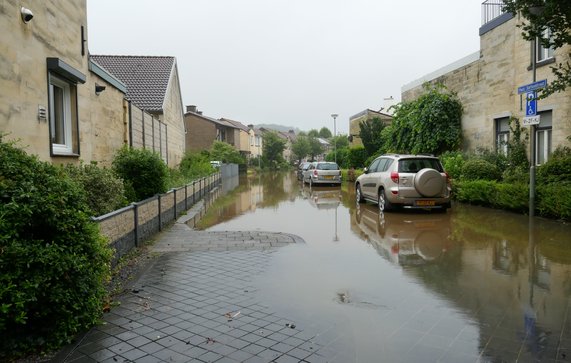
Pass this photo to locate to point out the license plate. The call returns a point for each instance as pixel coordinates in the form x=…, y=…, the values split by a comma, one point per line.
x=425, y=203
x=328, y=176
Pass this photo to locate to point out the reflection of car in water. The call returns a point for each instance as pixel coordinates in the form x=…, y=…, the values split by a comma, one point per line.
x=322, y=197
x=404, y=238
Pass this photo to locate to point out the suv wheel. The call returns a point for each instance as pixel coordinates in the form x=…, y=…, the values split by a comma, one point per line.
x=359, y=195
x=383, y=202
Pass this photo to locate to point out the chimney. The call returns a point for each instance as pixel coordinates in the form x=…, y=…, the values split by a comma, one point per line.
x=250, y=126
x=191, y=108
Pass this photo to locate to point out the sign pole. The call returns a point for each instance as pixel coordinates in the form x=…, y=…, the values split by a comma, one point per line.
x=532, y=139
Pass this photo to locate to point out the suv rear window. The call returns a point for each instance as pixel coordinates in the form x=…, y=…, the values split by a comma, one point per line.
x=327, y=166
x=414, y=165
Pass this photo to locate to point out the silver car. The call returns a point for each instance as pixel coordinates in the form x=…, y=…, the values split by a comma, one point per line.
x=409, y=181
x=322, y=172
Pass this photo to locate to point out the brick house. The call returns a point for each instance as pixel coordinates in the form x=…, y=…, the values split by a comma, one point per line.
x=487, y=84
x=204, y=130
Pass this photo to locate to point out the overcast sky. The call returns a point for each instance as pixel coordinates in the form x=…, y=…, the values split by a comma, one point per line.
x=289, y=62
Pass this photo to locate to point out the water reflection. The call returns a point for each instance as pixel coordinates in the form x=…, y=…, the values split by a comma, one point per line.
x=473, y=284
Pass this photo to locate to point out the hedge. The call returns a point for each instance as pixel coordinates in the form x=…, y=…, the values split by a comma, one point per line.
x=552, y=200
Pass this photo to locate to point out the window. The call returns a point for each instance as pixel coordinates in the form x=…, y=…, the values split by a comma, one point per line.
x=62, y=103
x=502, y=134
x=60, y=98
x=542, y=52
x=373, y=166
x=543, y=137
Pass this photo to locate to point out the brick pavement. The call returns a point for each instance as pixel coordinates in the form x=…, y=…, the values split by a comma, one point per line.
x=197, y=304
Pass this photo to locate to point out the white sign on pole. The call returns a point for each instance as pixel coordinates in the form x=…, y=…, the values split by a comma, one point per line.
x=531, y=120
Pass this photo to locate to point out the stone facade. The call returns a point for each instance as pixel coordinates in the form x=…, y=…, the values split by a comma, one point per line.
x=54, y=43
x=487, y=82
x=55, y=32
x=355, y=120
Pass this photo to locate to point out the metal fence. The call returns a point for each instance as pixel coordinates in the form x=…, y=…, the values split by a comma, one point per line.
x=491, y=9
x=128, y=227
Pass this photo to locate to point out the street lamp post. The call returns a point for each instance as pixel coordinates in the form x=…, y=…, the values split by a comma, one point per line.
x=334, y=115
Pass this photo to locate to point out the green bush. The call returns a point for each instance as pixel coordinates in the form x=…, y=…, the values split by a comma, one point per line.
x=53, y=261
x=492, y=157
x=143, y=172
x=342, y=157
x=105, y=192
x=195, y=165
x=479, y=192
x=357, y=157
x=490, y=193
x=453, y=161
x=554, y=200
x=557, y=169
x=480, y=169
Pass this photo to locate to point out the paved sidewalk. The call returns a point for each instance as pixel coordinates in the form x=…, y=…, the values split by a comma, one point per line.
x=197, y=304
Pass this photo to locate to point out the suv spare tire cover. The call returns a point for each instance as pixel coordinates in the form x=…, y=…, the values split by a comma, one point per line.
x=428, y=182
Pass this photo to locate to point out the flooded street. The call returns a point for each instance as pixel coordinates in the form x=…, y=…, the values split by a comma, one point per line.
x=469, y=285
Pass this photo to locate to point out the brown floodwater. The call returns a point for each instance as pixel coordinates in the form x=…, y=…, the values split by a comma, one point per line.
x=470, y=285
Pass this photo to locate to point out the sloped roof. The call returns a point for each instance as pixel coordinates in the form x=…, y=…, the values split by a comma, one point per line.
x=146, y=77
x=236, y=124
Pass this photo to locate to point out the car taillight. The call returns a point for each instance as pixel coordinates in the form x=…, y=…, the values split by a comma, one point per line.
x=395, y=177
x=447, y=176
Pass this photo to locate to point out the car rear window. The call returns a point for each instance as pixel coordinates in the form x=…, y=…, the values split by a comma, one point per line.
x=327, y=166
x=414, y=165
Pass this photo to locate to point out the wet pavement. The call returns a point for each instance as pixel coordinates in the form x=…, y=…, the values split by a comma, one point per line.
x=280, y=272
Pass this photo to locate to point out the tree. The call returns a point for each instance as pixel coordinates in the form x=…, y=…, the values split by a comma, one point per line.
x=315, y=147
x=341, y=141
x=226, y=153
x=273, y=149
x=325, y=133
x=541, y=15
x=429, y=124
x=313, y=133
x=300, y=147
x=370, y=134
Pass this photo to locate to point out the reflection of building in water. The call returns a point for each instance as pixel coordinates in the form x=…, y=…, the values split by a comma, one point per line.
x=516, y=290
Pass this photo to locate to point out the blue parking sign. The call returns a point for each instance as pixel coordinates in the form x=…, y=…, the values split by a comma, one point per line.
x=531, y=104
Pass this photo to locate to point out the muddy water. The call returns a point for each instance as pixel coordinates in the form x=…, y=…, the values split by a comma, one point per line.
x=473, y=284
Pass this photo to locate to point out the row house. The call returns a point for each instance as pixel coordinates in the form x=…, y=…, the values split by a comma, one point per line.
x=487, y=83
x=204, y=130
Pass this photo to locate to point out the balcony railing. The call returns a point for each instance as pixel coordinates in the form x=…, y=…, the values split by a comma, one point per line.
x=491, y=9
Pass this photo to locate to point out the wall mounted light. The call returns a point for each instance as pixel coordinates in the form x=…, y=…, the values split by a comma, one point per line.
x=99, y=88
x=27, y=15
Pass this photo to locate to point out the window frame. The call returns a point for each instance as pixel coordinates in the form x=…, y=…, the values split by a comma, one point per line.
x=547, y=54
x=501, y=144
x=66, y=78
x=67, y=117
x=545, y=132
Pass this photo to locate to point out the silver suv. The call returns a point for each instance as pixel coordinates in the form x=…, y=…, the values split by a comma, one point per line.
x=409, y=181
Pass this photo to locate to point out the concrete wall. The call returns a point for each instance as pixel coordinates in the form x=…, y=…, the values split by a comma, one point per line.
x=487, y=87
x=172, y=116
x=149, y=132
x=127, y=227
